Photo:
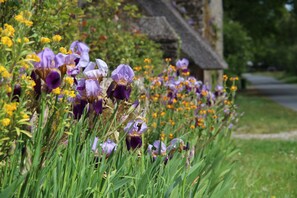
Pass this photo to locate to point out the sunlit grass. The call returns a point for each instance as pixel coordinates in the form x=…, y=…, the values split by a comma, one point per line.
x=262, y=115
x=265, y=169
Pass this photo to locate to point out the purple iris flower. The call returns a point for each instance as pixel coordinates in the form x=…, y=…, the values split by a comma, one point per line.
x=89, y=88
x=82, y=50
x=134, y=130
x=89, y=91
x=96, y=70
x=108, y=147
x=176, y=144
x=182, y=66
x=94, y=146
x=120, y=88
x=219, y=91
x=158, y=148
x=79, y=105
x=47, y=69
x=67, y=64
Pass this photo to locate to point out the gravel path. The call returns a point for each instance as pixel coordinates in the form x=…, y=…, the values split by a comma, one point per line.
x=282, y=93
x=272, y=136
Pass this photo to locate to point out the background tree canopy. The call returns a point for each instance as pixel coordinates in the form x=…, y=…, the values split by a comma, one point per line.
x=265, y=30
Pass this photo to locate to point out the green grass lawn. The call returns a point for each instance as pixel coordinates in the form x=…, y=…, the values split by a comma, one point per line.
x=265, y=169
x=262, y=115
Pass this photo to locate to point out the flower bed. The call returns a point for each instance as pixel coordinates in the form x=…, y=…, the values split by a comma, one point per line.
x=70, y=127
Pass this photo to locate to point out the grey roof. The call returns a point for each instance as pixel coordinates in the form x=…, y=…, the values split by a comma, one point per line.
x=193, y=44
x=158, y=29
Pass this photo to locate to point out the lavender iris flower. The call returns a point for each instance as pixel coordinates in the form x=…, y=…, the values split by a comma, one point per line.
x=47, y=69
x=219, y=91
x=134, y=130
x=82, y=50
x=120, y=87
x=158, y=148
x=94, y=146
x=67, y=64
x=108, y=147
x=89, y=91
x=89, y=88
x=96, y=73
x=182, y=66
x=176, y=144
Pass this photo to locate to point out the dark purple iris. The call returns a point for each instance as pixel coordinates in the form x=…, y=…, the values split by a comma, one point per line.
x=120, y=88
x=53, y=79
x=47, y=69
x=89, y=90
x=219, y=91
x=134, y=130
x=78, y=107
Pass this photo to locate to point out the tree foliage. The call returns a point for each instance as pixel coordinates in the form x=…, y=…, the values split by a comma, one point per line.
x=271, y=25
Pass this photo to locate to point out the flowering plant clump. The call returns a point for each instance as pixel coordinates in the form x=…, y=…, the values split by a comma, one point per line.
x=71, y=127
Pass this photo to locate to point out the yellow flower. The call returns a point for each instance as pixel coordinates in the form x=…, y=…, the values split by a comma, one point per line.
x=57, y=38
x=57, y=91
x=28, y=23
x=30, y=84
x=69, y=93
x=137, y=68
x=204, y=93
x=2, y=1
x=25, y=115
x=167, y=60
x=233, y=88
x=9, y=108
x=154, y=125
x=192, y=127
x=19, y=18
x=5, y=40
x=225, y=77
x=5, y=122
x=69, y=80
x=8, y=89
x=147, y=60
x=33, y=57
x=4, y=73
x=45, y=40
x=26, y=40
x=155, y=115
x=163, y=114
x=25, y=65
x=23, y=18
x=63, y=50
x=8, y=30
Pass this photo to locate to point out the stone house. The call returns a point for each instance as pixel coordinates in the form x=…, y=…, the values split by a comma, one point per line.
x=194, y=26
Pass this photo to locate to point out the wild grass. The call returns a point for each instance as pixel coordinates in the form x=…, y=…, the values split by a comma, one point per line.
x=262, y=115
x=266, y=168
